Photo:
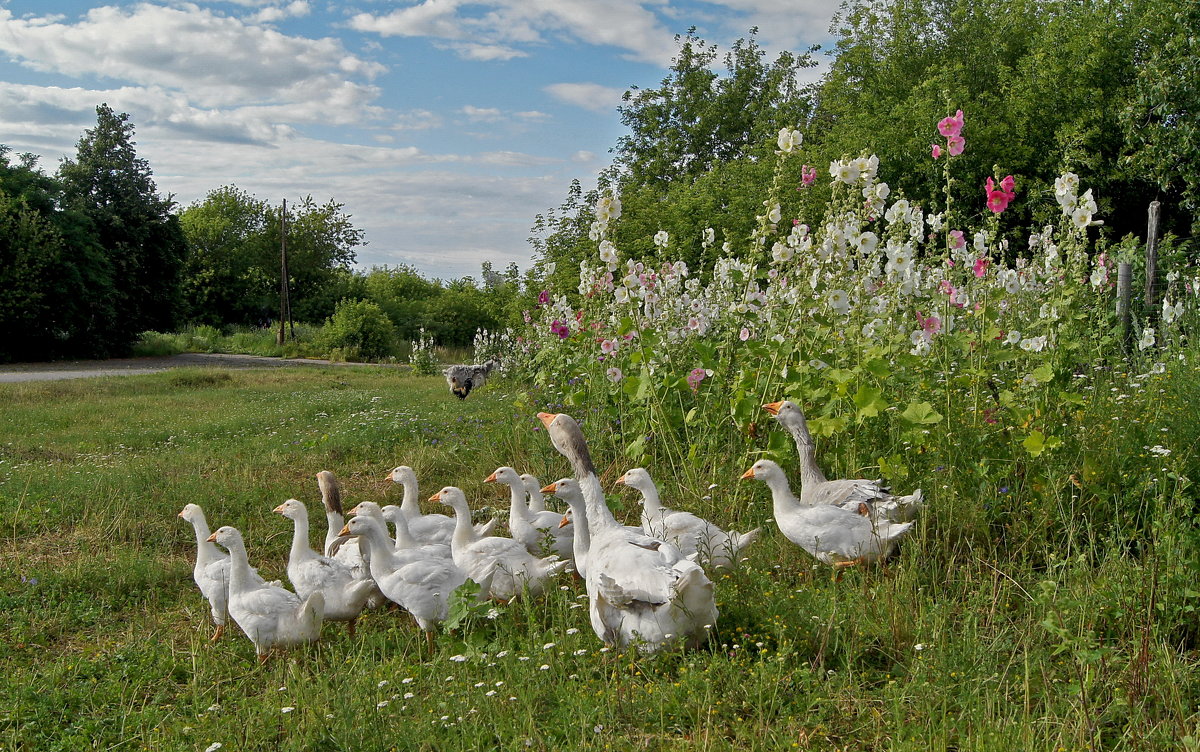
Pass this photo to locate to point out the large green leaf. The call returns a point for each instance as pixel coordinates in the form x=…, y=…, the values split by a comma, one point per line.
x=921, y=414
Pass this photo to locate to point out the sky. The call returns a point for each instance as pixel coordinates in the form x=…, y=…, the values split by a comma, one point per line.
x=443, y=126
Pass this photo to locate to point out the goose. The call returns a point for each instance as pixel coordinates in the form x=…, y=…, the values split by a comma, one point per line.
x=536, y=531
x=533, y=487
x=211, y=572
x=690, y=533
x=420, y=584
x=268, y=614
x=569, y=491
x=832, y=534
x=815, y=489
x=640, y=589
x=345, y=595
x=344, y=550
x=427, y=528
x=404, y=540
x=502, y=564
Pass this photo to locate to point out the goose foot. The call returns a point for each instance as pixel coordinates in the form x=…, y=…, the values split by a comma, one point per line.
x=840, y=567
x=263, y=658
x=217, y=634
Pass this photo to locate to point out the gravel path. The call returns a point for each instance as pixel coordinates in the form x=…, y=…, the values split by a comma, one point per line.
x=82, y=369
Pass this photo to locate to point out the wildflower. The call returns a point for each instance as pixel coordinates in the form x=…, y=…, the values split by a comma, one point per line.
x=572, y=630
x=547, y=646
x=695, y=377
x=957, y=240
x=1147, y=340
x=981, y=266
x=286, y=710
x=930, y=325
x=661, y=238
x=213, y=708
x=460, y=658
x=408, y=695
x=807, y=176
x=544, y=667
x=936, y=150
x=543, y=297
x=1081, y=218
x=1013, y=338
x=608, y=253
x=710, y=237
x=407, y=680
x=838, y=300
x=562, y=330
x=608, y=346
x=774, y=213
x=608, y=208
x=1171, y=312
x=1159, y=450
x=382, y=684
x=744, y=334
x=381, y=704
x=956, y=145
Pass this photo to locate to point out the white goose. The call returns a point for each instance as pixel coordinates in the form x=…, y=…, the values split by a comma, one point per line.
x=344, y=550
x=690, y=533
x=533, y=487
x=345, y=595
x=640, y=589
x=427, y=528
x=535, y=531
x=569, y=491
x=501, y=565
x=404, y=540
x=816, y=489
x=268, y=614
x=422, y=585
x=832, y=534
x=211, y=571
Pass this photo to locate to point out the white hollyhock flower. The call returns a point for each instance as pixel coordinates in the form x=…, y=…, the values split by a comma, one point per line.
x=838, y=300
x=1147, y=340
x=789, y=139
x=661, y=238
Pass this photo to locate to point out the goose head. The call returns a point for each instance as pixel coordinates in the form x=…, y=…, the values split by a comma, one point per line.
x=505, y=475
x=331, y=493
x=785, y=411
x=391, y=512
x=569, y=491
x=293, y=509
x=192, y=513
x=401, y=474
x=451, y=497
x=567, y=438
x=532, y=485
x=636, y=478
x=368, y=509
x=357, y=526
x=764, y=470
x=227, y=536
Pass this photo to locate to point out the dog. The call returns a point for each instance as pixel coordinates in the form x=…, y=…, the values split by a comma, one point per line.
x=462, y=379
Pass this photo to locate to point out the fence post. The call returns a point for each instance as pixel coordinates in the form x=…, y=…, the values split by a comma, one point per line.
x=1151, y=300
x=1124, y=292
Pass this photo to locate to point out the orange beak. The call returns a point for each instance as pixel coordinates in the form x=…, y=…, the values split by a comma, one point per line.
x=179, y=515
x=345, y=531
x=278, y=509
x=620, y=481
x=566, y=520
x=773, y=407
x=547, y=418
x=748, y=474
x=212, y=538
x=388, y=477
x=551, y=488
x=352, y=511
x=490, y=479
x=436, y=497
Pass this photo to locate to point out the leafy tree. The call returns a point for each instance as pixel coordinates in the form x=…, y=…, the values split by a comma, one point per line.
x=358, y=329
x=114, y=189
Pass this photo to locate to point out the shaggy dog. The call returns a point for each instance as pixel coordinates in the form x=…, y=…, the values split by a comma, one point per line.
x=462, y=379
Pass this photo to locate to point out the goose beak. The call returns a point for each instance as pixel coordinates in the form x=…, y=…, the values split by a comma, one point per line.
x=352, y=511
x=550, y=488
x=436, y=497
x=212, y=538
x=179, y=515
x=389, y=477
x=547, y=419
x=490, y=479
x=565, y=521
x=773, y=407
x=620, y=481
x=278, y=509
x=748, y=474
x=344, y=531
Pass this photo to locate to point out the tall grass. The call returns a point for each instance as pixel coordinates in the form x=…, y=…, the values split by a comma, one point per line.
x=1024, y=613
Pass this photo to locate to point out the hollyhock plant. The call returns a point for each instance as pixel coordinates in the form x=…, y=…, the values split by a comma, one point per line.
x=807, y=176
x=695, y=377
x=936, y=150
x=955, y=145
x=952, y=125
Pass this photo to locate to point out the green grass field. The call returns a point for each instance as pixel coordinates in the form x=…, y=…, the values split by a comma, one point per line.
x=981, y=635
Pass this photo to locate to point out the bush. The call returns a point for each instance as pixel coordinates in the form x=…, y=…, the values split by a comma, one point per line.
x=358, y=328
x=421, y=356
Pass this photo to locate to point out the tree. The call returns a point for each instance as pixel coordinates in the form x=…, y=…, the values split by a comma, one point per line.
x=114, y=189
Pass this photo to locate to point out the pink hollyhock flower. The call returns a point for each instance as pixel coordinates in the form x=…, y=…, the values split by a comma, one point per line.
x=562, y=330
x=951, y=126
x=744, y=334
x=937, y=151
x=931, y=324
x=607, y=346
x=543, y=297
x=1009, y=186
x=947, y=288
x=955, y=145
x=695, y=377
x=981, y=266
x=997, y=201
x=807, y=176
x=956, y=239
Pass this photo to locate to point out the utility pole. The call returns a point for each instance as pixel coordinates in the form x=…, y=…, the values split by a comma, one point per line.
x=285, y=305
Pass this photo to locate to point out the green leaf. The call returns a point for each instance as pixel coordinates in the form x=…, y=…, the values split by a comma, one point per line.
x=921, y=414
x=636, y=448
x=1035, y=443
x=869, y=402
x=1043, y=373
x=878, y=367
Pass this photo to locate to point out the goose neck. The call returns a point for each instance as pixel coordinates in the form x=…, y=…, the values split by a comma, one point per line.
x=599, y=516
x=784, y=501
x=300, y=548
x=408, y=503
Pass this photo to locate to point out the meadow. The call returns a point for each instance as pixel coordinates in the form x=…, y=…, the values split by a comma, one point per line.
x=1050, y=609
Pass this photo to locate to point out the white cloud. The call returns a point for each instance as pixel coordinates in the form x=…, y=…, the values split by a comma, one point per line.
x=589, y=96
x=482, y=114
x=496, y=29
x=296, y=9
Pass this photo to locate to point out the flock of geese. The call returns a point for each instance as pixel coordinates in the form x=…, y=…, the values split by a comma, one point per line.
x=646, y=585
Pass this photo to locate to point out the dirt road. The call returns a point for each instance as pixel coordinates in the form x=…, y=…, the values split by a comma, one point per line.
x=82, y=369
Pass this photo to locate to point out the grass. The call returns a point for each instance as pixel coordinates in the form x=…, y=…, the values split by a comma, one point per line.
x=1061, y=617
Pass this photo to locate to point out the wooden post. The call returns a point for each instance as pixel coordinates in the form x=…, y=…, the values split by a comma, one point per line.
x=285, y=308
x=1124, y=292
x=1151, y=300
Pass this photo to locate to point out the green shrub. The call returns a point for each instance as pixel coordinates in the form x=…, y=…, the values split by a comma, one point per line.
x=156, y=344
x=421, y=356
x=360, y=329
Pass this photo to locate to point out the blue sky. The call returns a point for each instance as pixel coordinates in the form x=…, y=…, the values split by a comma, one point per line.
x=444, y=126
